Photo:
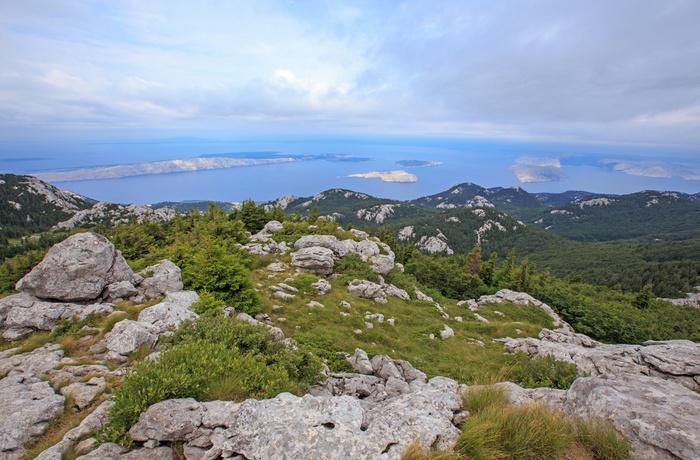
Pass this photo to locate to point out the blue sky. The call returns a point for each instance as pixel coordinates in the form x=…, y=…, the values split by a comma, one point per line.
x=619, y=72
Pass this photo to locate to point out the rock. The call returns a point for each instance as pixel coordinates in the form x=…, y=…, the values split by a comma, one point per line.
x=519, y=298
x=675, y=359
x=164, y=277
x=106, y=451
x=329, y=242
x=86, y=446
x=157, y=453
x=127, y=336
x=396, y=292
x=385, y=368
x=75, y=269
x=480, y=318
x=382, y=264
x=659, y=418
x=322, y=286
x=36, y=363
x=120, y=290
x=367, y=290
x=170, y=420
x=278, y=267
x=172, y=311
x=447, y=332
x=367, y=249
x=421, y=296
x=345, y=304
x=361, y=363
x=314, y=304
x=315, y=259
x=359, y=233
x=14, y=334
x=84, y=393
x=340, y=427
x=283, y=295
x=277, y=333
x=27, y=405
x=272, y=227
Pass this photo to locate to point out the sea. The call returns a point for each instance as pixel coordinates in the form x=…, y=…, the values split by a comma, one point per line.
x=484, y=162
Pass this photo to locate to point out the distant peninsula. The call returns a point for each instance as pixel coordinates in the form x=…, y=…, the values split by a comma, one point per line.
x=158, y=167
x=388, y=176
x=417, y=163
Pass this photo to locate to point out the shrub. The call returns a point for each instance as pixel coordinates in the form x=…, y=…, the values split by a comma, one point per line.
x=208, y=305
x=303, y=281
x=210, y=359
x=352, y=266
x=544, y=372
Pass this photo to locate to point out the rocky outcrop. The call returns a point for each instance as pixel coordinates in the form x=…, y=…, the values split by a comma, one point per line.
x=317, y=260
x=659, y=418
x=27, y=405
x=672, y=360
x=518, y=298
x=127, y=336
x=308, y=427
x=116, y=214
x=173, y=310
x=76, y=269
x=367, y=290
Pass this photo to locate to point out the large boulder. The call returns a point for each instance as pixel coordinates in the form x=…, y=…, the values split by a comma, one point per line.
x=76, y=270
x=658, y=417
x=315, y=259
x=324, y=241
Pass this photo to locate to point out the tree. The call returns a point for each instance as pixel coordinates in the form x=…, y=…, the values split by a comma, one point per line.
x=644, y=298
x=253, y=216
x=474, y=261
x=313, y=215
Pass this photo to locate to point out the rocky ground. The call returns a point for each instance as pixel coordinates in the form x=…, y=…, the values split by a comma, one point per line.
x=648, y=391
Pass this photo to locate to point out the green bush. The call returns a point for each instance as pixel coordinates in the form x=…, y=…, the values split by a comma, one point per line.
x=303, y=281
x=208, y=305
x=353, y=267
x=212, y=358
x=544, y=372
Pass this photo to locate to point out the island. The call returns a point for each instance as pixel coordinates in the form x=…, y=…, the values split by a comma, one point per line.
x=388, y=176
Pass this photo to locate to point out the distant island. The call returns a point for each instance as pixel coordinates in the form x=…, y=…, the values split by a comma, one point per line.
x=388, y=176
x=156, y=167
x=417, y=163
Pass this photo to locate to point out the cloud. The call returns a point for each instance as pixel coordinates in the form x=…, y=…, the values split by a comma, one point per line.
x=584, y=71
x=652, y=169
x=388, y=176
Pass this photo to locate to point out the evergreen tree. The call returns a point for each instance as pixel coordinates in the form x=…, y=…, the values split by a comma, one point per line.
x=474, y=261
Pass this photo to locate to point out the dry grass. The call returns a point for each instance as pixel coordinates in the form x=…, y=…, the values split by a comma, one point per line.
x=57, y=428
x=416, y=452
x=79, y=346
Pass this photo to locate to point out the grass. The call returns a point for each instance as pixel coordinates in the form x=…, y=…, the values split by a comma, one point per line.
x=458, y=357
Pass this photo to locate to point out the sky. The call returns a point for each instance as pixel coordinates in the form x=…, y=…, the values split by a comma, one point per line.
x=586, y=71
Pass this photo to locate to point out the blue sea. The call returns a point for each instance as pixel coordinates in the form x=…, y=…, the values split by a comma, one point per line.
x=487, y=163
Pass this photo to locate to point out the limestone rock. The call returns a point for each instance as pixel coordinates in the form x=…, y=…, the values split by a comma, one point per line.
x=659, y=418
x=272, y=227
x=361, y=363
x=173, y=310
x=36, y=363
x=396, y=292
x=382, y=264
x=165, y=277
x=315, y=259
x=106, y=451
x=76, y=269
x=283, y=295
x=27, y=405
x=367, y=290
x=128, y=336
x=330, y=242
x=85, y=393
x=170, y=420
x=447, y=332
x=120, y=290
x=322, y=286
x=519, y=298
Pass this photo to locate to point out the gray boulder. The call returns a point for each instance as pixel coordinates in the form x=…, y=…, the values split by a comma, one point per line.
x=36, y=363
x=393, y=291
x=659, y=418
x=170, y=420
x=315, y=259
x=76, y=269
x=367, y=290
x=27, y=405
x=164, y=277
x=324, y=241
x=382, y=264
x=172, y=311
x=127, y=336
x=322, y=286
